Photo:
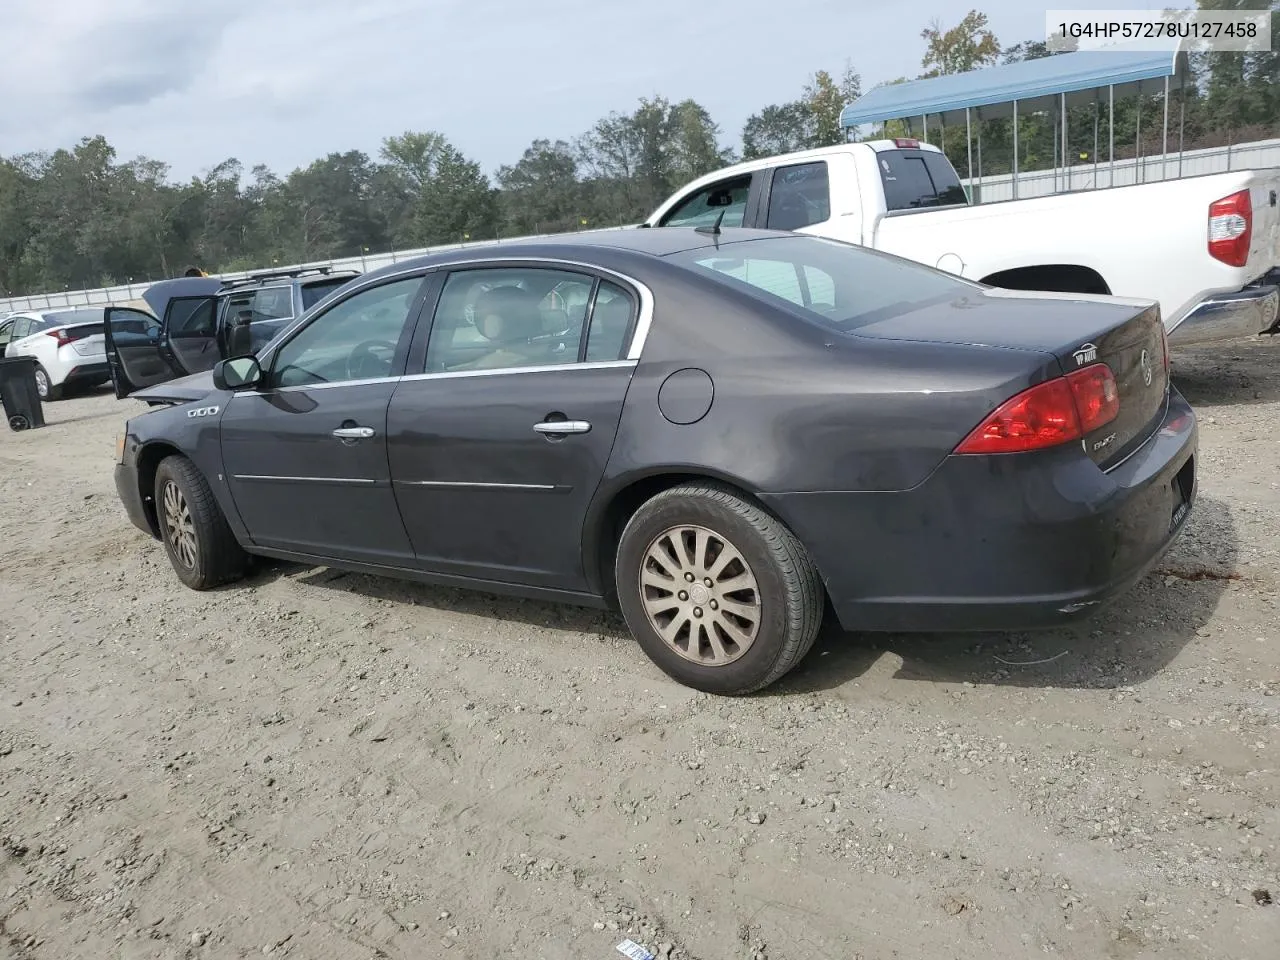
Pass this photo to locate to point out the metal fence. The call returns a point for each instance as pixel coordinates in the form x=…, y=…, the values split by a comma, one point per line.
x=130, y=291
x=1260, y=153
x=1090, y=176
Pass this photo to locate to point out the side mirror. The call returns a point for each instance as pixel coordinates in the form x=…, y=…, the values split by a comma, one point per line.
x=238, y=373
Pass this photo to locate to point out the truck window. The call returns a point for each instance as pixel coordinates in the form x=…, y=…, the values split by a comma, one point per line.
x=313, y=293
x=800, y=196
x=728, y=197
x=918, y=178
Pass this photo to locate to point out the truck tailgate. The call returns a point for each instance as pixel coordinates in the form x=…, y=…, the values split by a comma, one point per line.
x=1264, y=251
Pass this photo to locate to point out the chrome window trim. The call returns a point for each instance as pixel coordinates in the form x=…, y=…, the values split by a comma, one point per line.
x=644, y=321
x=442, y=375
x=496, y=371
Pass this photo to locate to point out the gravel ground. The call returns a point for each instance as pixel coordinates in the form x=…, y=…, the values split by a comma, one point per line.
x=324, y=765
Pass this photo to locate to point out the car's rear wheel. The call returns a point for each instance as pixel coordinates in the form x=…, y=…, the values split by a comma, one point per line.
x=719, y=593
x=47, y=390
x=201, y=547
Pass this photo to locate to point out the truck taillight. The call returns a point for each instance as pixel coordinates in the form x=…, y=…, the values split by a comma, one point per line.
x=1050, y=413
x=1231, y=229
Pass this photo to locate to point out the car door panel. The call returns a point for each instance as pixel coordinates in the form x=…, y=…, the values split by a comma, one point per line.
x=483, y=493
x=298, y=487
x=305, y=455
x=188, y=333
x=136, y=356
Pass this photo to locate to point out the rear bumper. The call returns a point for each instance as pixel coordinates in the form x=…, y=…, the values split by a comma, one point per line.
x=1229, y=316
x=98, y=372
x=1001, y=543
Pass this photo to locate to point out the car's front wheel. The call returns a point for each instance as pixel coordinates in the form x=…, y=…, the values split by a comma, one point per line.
x=719, y=593
x=201, y=547
x=46, y=388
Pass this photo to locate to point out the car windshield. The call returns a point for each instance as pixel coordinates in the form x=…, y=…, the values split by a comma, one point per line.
x=840, y=285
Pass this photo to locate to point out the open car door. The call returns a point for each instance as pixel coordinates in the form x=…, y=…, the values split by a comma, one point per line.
x=136, y=355
x=189, y=333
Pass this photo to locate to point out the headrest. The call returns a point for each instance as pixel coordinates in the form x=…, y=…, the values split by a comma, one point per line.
x=507, y=314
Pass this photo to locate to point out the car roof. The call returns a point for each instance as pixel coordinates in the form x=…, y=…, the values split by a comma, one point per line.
x=651, y=241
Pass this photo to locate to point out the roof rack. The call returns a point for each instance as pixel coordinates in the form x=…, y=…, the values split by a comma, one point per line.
x=259, y=275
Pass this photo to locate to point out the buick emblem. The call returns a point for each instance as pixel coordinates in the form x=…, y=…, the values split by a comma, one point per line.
x=1145, y=363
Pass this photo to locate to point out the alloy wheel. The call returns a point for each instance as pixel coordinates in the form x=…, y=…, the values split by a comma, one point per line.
x=700, y=595
x=180, y=530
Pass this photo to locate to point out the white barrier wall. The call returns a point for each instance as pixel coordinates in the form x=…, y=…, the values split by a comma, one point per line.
x=1261, y=153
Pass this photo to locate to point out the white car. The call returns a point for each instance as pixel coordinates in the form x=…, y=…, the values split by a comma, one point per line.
x=68, y=347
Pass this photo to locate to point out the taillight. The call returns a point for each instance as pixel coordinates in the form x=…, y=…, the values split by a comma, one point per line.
x=1164, y=345
x=1050, y=413
x=61, y=336
x=907, y=143
x=1231, y=229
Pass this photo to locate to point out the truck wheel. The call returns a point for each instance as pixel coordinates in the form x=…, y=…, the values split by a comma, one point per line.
x=719, y=594
x=46, y=390
x=201, y=547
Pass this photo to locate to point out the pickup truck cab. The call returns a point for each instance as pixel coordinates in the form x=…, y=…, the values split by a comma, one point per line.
x=186, y=325
x=1206, y=248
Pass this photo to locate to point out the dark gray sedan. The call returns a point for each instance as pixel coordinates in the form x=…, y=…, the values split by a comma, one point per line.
x=718, y=432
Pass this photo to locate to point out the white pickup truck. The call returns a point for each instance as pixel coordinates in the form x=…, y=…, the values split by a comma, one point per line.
x=1207, y=248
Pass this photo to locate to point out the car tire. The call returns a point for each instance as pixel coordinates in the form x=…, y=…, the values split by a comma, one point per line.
x=45, y=388
x=200, y=545
x=760, y=613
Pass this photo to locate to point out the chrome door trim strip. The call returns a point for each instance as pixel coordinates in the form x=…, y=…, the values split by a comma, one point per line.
x=471, y=484
x=355, y=481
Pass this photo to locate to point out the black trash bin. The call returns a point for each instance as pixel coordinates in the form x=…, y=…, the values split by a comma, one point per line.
x=18, y=391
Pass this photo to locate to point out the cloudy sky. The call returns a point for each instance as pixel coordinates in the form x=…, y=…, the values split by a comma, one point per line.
x=282, y=82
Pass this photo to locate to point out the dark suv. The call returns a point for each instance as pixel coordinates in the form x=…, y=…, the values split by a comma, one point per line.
x=186, y=325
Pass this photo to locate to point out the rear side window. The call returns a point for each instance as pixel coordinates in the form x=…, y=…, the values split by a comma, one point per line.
x=842, y=286
x=918, y=178
x=313, y=293
x=800, y=196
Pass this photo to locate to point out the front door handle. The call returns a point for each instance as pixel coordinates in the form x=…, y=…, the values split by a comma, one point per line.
x=562, y=427
x=353, y=433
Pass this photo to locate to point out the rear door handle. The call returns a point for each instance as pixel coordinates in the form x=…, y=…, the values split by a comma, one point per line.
x=561, y=427
x=353, y=433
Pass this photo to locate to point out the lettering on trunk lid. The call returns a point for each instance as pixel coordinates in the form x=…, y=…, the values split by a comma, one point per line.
x=1087, y=353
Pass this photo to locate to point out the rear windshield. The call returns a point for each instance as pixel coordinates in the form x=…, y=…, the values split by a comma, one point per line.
x=840, y=285
x=918, y=178
x=315, y=292
x=64, y=317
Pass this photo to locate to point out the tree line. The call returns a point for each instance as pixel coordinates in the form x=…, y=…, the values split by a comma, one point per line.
x=83, y=217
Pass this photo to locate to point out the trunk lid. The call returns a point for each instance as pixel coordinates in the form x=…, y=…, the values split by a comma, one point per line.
x=1077, y=330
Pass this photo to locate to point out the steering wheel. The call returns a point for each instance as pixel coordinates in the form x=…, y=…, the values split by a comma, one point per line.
x=365, y=362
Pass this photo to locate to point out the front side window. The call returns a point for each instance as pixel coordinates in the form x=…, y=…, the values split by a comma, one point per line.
x=840, y=285
x=800, y=196
x=191, y=317
x=356, y=339
x=728, y=197
x=493, y=319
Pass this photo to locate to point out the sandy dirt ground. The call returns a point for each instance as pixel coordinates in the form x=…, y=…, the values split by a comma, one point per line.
x=322, y=765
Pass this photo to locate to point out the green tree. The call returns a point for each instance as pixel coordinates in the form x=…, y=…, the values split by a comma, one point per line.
x=541, y=193
x=968, y=45
x=812, y=120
